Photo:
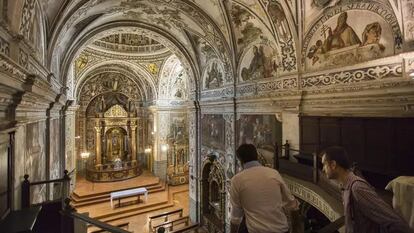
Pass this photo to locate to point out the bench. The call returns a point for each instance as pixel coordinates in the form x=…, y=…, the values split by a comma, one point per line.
x=128, y=193
x=164, y=216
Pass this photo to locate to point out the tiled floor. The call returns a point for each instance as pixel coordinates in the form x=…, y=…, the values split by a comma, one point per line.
x=172, y=197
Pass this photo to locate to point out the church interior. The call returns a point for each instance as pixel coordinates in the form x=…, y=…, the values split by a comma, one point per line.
x=102, y=101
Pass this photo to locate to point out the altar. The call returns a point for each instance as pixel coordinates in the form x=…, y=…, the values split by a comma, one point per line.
x=115, y=147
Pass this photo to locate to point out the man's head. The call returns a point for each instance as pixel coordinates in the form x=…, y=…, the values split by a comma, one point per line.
x=246, y=153
x=342, y=19
x=334, y=160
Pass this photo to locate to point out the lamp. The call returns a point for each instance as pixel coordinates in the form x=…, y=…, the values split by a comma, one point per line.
x=85, y=155
x=164, y=147
x=147, y=150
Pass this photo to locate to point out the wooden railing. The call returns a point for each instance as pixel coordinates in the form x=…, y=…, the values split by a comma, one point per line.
x=67, y=212
x=26, y=184
x=164, y=215
x=70, y=215
x=186, y=229
x=172, y=223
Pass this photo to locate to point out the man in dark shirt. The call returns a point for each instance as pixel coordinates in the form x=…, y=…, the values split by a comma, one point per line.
x=365, y=211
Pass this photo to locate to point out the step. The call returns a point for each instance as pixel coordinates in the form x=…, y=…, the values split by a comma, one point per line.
x=106, y=197
x=117, y=216
x=94, y=229
x=92, y=195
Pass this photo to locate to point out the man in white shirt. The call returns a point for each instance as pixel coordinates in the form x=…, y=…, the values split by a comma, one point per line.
x=260, y=195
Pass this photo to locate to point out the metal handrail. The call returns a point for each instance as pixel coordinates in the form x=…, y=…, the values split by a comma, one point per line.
x=95, y=222
x=333, y=226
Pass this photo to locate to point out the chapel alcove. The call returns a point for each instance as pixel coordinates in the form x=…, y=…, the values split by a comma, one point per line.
x=213, y=194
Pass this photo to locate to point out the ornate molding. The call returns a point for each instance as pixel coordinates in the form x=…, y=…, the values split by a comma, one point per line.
x=314, y=198
x=12, y=69
x=218, y=93
x=374, y=73
x=4, y=47
x=262, y=88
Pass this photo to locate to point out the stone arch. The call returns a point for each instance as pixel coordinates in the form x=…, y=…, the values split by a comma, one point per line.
x=150, y=31
x=122, y=66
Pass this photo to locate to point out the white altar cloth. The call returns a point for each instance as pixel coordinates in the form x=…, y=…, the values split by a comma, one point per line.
x=128, y=193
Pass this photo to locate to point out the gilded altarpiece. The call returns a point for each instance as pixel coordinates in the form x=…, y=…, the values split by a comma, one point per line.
x=178, y=154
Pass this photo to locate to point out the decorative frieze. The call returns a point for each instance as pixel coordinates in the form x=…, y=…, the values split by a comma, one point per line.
x=8, y=66
x=353, y=76
x=4, y=47
x=217, y=93
x=27, y=17
x=314, y=198
x=261, y=88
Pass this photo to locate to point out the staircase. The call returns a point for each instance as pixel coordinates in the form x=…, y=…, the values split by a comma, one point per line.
x=160, y=199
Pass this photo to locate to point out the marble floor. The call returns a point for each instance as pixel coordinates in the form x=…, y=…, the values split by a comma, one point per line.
x=161, y=198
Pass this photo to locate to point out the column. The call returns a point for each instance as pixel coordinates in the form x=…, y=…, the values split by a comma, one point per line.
x=133, y=142
x=98, y=147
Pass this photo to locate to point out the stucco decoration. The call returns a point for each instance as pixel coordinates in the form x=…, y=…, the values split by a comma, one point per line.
x=108, y=82
x=32, y=28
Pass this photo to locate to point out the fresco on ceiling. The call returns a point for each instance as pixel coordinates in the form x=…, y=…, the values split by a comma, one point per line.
x=278, y=17
x=215, y=12
x=260, y=61
x=206, y=56
x=408, y=19
x=344, y=40
x=203, y=50
x=314, y=8
x=173, y=80
x=244, y=27
x=263, y=131
x=213, y=75
x=35, y=159
x=172, y=16
x=213, y=131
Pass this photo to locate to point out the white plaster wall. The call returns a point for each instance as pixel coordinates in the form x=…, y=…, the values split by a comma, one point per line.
x=290, y=129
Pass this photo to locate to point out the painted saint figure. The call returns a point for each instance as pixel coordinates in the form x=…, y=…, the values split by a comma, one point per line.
x=342, y=36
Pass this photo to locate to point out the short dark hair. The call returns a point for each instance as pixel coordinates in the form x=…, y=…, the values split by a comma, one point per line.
x=246, y=153
x=161, y=230
x=337, y=154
